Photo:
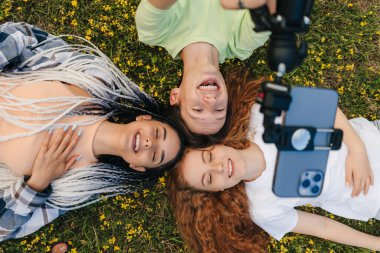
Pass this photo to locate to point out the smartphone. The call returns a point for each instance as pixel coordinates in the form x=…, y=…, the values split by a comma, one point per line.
x=301, y=173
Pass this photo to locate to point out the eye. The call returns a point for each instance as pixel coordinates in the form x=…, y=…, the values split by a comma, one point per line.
x=219, y=110
x=197, y=110
x=154, y=156
x=210, y=179
x=156, y=133
x=210, y=156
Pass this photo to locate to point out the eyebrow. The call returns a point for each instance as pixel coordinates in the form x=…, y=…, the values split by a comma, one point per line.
x=203, y=158
x=203, y=177
x=162, y=156
x=164, y=133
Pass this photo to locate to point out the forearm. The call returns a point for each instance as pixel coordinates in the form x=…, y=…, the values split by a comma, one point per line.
x=22, y=205
x=341, y=233
x=350, y=137
x=162, y=4
x=325, y=228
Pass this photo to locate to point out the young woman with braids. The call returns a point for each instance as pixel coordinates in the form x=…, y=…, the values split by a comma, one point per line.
x=72, y=128
x=218, y=193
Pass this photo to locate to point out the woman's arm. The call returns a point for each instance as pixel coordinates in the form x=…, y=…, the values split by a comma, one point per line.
x=162, y=4
x=325, y=228
x=23, y=210
x=358, y=170
x=18, y=41
x=251, y=4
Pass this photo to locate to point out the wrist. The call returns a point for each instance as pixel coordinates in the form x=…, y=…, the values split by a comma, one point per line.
x=37, y=184
x=357, y=148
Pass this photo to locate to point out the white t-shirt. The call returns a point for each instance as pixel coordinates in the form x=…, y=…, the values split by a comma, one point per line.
x=277, y=216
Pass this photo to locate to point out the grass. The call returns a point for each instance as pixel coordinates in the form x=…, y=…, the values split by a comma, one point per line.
x=343, y=54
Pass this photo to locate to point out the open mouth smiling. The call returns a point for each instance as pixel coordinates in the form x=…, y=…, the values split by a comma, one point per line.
x=136, y=142
x=208, y=85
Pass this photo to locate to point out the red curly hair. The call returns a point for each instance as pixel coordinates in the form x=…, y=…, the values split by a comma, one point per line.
x=219, y=221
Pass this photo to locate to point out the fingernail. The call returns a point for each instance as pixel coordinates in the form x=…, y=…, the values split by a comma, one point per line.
x=50, y=131
x=74, y=127
x=80, y=132
x=79, y=157
x=65, y=128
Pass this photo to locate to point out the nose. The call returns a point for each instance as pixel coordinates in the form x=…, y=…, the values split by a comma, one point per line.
x=218, y=167
x=147, y=143
x=209, y=98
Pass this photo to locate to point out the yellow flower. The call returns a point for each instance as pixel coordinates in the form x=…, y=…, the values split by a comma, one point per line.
x=363, y=23
x=116, y=248
x=102, y=217
x=323, y=39
x=74, y=3
x=74, y=22
x=112, y=240
x=349, y=5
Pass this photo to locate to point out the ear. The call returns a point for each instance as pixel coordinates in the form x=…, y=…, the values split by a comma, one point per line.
x=137, y=168
x=143, y=117
x=174, y=96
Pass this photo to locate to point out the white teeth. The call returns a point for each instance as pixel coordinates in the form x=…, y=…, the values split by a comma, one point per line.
x=208, y=86
x=229, y=167
x=137, y=144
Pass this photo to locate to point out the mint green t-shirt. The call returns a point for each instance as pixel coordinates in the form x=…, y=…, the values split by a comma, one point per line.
x=190, y=21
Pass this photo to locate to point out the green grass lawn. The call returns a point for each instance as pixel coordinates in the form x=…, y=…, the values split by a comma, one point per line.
x=343, y=54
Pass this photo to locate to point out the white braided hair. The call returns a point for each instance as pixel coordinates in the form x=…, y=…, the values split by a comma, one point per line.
x=89, y=69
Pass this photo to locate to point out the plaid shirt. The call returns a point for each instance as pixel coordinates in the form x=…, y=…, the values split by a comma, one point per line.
x=23, y=210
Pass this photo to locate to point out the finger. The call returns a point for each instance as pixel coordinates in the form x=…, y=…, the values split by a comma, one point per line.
x=371, y=177
x=367, y=185
x=362, y=186
x=66, y=140
x=356, y=188
x=71, y=161
x=45, y=142
x=348, y=177
x=73, y=142
x=56, y=139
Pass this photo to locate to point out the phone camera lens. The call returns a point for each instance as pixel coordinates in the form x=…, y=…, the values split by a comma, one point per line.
x=317, y=178
x=306, y=183
x=315, y=189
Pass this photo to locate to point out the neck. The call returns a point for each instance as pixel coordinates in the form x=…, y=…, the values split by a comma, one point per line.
x=199, y=53
x=254, y=162
x=108, y=139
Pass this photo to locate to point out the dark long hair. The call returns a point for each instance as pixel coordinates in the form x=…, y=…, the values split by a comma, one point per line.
x=124, y=112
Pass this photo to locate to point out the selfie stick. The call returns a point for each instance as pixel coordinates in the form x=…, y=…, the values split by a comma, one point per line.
x=291, y=17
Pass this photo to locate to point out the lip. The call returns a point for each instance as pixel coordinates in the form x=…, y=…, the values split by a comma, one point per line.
x=231, y=169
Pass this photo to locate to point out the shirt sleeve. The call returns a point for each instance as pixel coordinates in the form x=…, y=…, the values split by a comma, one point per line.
x=23, y=210
x=275, y=222
x=153, y=24
x=18, y=42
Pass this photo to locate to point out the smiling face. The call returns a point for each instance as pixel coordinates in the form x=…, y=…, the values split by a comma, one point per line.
x=213, y=169
x=149, y=143
x=203, y=98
